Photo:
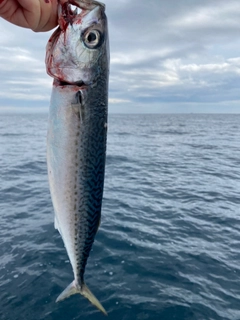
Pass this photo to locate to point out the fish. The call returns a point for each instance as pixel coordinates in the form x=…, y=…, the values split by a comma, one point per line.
x=77, y=57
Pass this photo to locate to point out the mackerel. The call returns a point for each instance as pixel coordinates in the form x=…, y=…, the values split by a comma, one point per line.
x=78, y=59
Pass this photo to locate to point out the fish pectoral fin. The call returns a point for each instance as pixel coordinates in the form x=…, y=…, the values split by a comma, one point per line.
x=84, y=291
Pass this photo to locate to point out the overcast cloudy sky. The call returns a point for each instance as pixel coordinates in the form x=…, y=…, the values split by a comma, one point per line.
x=166, y=56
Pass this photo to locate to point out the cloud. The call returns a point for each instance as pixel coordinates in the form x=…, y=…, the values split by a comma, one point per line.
x=210, y=17
x=115, y=101
x=173, y=55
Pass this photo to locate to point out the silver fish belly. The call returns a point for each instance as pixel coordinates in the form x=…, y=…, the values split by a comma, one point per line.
x=77, y=133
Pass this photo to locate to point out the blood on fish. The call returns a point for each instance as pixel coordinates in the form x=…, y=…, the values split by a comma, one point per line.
x=78, y=21
x=47, y=1
x=68, y=16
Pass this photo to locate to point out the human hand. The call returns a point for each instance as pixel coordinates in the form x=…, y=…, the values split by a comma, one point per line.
x=38, y=15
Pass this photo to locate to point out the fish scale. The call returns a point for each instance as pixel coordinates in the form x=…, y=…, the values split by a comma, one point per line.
x=77, y=134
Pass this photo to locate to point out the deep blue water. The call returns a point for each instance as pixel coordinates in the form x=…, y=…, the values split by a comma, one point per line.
x=169, y=242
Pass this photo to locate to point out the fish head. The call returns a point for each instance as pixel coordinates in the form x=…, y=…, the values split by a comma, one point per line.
x=78, y=50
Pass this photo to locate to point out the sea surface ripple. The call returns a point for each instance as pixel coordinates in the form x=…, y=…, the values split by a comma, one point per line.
x=169, y=242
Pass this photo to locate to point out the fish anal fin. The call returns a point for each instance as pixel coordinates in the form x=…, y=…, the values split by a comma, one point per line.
x=55, y=223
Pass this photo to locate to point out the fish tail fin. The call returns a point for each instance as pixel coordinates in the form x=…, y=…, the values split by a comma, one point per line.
x=84, y=291
x=70, y=290
x=90, y=296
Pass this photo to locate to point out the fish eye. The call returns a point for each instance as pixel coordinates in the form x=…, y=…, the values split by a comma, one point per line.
x=92, y=39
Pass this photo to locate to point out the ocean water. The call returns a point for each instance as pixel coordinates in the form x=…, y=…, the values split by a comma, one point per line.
x=169, y=242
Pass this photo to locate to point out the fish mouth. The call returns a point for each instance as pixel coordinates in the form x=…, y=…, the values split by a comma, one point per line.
x=66, y=15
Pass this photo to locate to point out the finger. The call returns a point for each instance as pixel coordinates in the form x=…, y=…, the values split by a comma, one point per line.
x=41, y=15
x=38, y=15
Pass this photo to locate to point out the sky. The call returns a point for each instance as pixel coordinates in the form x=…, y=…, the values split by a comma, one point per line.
x=175, y=56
